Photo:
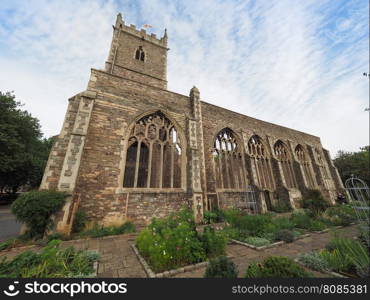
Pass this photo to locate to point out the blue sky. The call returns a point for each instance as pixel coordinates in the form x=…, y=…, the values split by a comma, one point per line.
x=294, y=63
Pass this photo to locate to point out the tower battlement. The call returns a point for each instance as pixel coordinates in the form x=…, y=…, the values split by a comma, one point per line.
x=141, y=33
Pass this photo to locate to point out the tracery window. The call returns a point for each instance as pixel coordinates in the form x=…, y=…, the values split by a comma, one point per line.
x=140, y=54
x=260, y=159
x=303, y=159
x=227, y=154
x=154, y=154
x=321, y=163
x=283, y=155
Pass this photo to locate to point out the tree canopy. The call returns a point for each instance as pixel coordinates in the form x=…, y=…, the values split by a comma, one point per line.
x=23, y=150
x=356, y=163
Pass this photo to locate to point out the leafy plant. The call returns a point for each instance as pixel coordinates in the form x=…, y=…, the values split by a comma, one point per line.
x=277, y=267
x=213, y=242
x=285, y=235
x=35, y=209
x=257, y=241
x=315, y=202
x=352, y=252
x=100, y=231
x=341, y=215
x=79, y=221
x=282, y=207
x=221, y=267
x=50, y=262
x=314, y=261
x=316, y=225
x=173, y=242
x=335, y=260
x=214, y=216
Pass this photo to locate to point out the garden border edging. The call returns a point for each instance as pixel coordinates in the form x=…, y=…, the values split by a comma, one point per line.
x=169, y=273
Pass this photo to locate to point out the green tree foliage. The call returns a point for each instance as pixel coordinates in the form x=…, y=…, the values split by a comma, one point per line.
x=23, y=151
x=356, y=163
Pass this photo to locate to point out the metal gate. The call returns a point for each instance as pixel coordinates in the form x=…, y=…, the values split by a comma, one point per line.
x=359, y=194
x=249, y=200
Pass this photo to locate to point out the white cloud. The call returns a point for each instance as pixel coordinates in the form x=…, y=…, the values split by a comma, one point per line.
x=294, y=63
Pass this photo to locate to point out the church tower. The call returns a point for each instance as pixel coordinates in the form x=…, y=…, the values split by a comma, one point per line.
x=136, y=55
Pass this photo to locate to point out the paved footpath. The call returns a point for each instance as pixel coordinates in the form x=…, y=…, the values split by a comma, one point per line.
x=119, y=260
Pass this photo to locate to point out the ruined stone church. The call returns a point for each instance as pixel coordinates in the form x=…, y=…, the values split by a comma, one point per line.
x=130, y=149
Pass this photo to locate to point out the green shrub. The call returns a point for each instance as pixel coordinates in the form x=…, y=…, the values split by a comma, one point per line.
x=254, y=225
x=35, y=209
x=314, y=261
x=364, y=235
x=50, y=262
x=316, y=225
x=221, y=267
x=277, y=267
x=282, y=207
x=285, y=235
x=171, y=242
x=347, y=253
x=300, y=219
x=213, y=242
x=315, y=202
x=335, y=260
x=257, y=241
x=230, y=215
x=79, y=221
x=100, y=231
x=214, y=216
x=6, y=244
x=342, y=215
x=283, y=223
x=231, y=232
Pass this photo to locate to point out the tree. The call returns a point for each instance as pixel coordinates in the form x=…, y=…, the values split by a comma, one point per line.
x=23, y=151
x=356, y=163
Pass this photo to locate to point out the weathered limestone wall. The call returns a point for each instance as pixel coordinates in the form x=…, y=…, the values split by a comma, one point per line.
x=88, y=159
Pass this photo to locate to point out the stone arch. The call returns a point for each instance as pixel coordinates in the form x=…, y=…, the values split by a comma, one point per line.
x=160, y=160
x=303, y=159
x=228, y=160
x=260, y=158
x=284, y=156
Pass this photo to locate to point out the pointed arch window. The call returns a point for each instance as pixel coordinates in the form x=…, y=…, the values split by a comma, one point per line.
x=140, y=54
x=283, y=155
x=228, y=162
x=261, y=161
x=154, y=154
x=321, y=164
x=303, y=160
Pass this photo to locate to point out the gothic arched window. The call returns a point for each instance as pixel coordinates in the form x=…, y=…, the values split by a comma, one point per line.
x=321, y=164
x=140, y=54
x=303, y=160
x=154, y=154
x=283, y=155
x=258, y=154
x=229, y=170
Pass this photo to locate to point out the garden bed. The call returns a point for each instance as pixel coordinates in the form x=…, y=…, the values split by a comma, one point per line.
x=168, y=273
x=51, y=262
x=275, y=244
x=334, y=274
x=342, y=257
x=175, y=242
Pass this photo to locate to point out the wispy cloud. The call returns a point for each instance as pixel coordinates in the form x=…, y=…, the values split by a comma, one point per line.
x=294, y=63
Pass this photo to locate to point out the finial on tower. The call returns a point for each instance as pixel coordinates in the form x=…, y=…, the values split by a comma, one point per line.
x=194, y=93
x=119, y=20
